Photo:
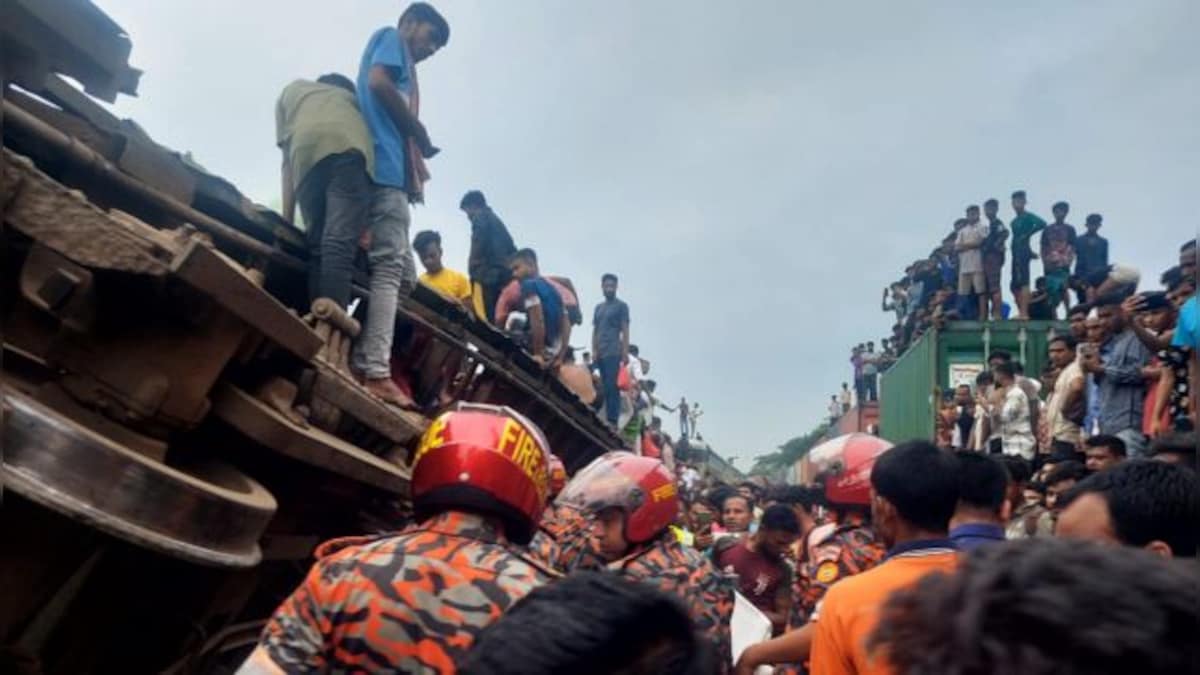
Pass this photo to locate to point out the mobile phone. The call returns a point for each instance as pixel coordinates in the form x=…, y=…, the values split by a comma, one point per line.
x=704, y=519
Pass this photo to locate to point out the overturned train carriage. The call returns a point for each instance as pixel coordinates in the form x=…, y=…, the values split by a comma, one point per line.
x=179, y=426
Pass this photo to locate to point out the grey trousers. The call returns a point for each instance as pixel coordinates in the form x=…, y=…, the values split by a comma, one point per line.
x=393, y=271
x=334, y=198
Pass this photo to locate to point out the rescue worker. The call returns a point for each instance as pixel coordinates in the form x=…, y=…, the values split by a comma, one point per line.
x=553, y=543
x=629, y=502
x=914, y=490
x=838, y=549
x=415, y=601
x=841, y=548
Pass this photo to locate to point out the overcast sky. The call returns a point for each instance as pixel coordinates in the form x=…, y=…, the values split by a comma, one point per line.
x=754, y=176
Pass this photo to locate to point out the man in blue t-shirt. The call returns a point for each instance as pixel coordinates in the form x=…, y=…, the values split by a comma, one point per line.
x=549, y=327
x=388, y=98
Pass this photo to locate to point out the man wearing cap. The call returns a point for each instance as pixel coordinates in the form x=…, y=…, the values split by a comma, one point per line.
x=1091, y=257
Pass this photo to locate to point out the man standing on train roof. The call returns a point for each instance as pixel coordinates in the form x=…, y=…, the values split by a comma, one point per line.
x=491, y=249
x=328, y=165
x=626, y=505
x=610, y=345
x=1058, y=254
x=415, y=601
x=993, y=258
x=1024, y=225
x=388, y=97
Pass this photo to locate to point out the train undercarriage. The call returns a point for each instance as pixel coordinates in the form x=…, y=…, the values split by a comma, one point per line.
x=180, y=426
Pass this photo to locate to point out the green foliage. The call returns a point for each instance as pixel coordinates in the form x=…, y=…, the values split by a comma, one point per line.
x=789, y=452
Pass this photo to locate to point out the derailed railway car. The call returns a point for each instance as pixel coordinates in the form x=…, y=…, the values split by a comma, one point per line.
x=180, y=428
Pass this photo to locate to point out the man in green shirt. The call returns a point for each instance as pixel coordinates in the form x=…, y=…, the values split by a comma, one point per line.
x=328, y=162
x=329, y=169
x=1023, y=227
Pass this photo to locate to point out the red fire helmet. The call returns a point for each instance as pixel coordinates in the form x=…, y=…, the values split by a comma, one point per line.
x=558, y=476
x=483, y=458
x=640, y=486
x=847, y=462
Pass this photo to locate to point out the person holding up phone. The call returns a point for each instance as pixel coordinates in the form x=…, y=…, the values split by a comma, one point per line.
x=1119, y=371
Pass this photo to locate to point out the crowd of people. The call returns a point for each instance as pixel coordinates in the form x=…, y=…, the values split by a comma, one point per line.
x=921, y=559
x=1124, y=373
x=513, y=566
x=354, y=159
x=962, y=280
x=962, y=277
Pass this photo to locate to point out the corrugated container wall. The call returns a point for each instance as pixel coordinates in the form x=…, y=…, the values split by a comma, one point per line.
x=906, y=391
x=954, y=355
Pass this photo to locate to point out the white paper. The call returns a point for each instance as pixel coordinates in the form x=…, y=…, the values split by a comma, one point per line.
x=749, y=626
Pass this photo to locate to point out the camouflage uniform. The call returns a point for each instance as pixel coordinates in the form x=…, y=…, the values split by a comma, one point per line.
x=563, y=541
x=664, y=563
x=846, y=551
x=410, y=602
x=688, y=575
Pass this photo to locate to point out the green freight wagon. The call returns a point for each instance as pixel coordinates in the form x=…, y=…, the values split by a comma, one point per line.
x=942, y=359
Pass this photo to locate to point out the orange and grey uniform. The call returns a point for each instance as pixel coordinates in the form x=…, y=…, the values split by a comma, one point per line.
x=691, y=577
x=413, y=602
x=848, y=550
x=563, y=540
x=663, y=563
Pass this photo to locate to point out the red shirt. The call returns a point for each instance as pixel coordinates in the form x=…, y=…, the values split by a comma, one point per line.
x=760, y=578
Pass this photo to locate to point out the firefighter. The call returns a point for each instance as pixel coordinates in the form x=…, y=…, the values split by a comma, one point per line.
x=847, y=545
x=628, y=503
x=415, y=601
x=841, y=548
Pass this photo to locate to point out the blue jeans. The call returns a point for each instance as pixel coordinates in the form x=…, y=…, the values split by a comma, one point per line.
x=870, y=390
x=609, y=367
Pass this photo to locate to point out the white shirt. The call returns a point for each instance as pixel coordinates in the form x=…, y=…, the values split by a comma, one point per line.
x=1016, y=432
x=635, y=368
x=970, y=261
x=835, y=409
x=1061, y=428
